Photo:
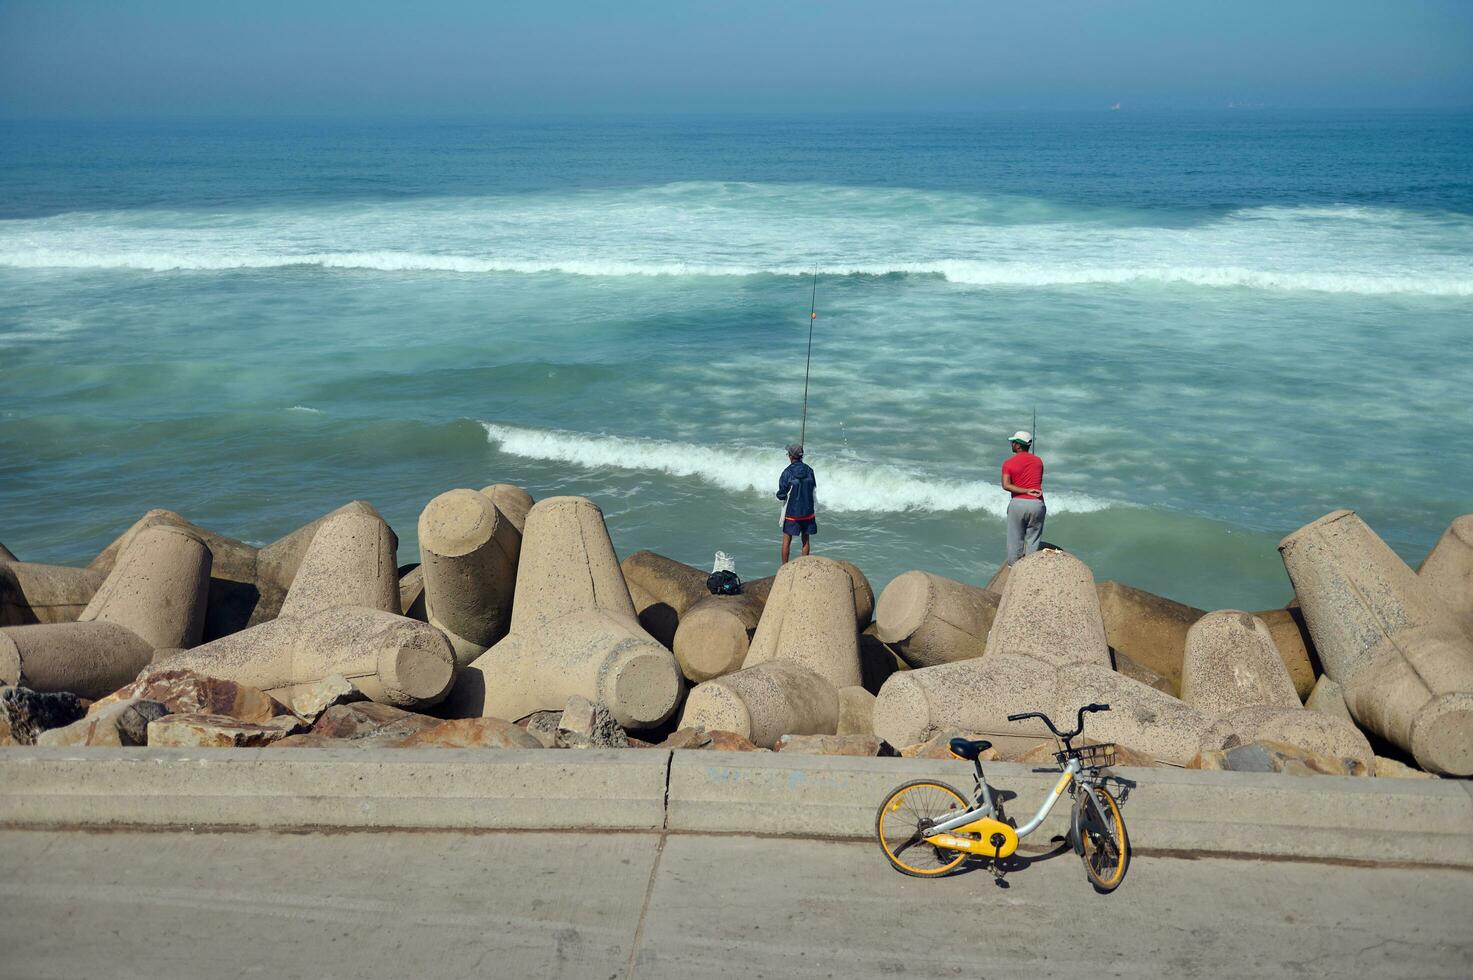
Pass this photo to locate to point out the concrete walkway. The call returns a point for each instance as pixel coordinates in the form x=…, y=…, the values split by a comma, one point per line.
x=606, y=905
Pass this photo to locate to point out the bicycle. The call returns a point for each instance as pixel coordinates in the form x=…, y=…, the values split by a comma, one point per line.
x=935, y=829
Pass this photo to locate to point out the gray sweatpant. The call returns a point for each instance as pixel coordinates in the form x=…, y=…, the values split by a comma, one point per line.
x=1025, y=527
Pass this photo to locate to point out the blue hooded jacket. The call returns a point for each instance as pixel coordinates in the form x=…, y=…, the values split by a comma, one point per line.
x=796, y=486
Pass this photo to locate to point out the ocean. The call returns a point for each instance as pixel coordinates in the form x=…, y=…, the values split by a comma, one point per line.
x=1227, y=323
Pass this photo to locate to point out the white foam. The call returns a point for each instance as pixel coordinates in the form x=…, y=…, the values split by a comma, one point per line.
x=982, y=274
x=842, y=486
x=304, y=408
x=695, y=229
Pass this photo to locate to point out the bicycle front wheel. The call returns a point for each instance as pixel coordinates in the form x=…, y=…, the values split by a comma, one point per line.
x=1106, y=845
x=904, y=819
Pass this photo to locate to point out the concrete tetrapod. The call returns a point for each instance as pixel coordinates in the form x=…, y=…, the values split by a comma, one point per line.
x=573, y=631
x=1140, y=717
x=1309, y=730
x=1051, y=611
x=6, y=554
x=662, y=590
x=390, y=659
x=469, y=553
x=158, y=589
x=864, y=594
x=1328, y=699
x=87, y=659
x=229, y=557
x=1403, y=661
x=1142, y=673
x=35, y=593
x=765, y=702
x=247, y=586
x=236, y=598
x=350, y=562
x=931, y=620
x=978, y=695
x=1231, y=662
x=810, y=620
x=412, y=592
x=512, y=501
x=1295, y=646
x=856, y=711
x=278, y=562
x=1149, y=629
x=974, y=695
x=1448, y=569
x=154, y=598
x=1233, y=670
x=715, y=634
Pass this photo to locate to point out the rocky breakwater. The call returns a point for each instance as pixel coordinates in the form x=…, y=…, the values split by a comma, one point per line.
x=520, y=628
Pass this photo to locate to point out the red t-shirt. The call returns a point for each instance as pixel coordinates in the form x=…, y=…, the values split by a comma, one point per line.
x=1024, y=470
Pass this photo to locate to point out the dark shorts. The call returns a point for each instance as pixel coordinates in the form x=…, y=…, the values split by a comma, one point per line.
x=795, y=528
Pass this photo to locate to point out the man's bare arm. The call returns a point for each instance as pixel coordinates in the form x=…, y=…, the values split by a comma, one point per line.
x=1011, y=487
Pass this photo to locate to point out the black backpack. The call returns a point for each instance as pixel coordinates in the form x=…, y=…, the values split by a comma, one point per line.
x=724, y=582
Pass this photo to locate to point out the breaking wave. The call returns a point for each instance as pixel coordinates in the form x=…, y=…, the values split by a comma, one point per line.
x=960, y=272
x=970, y=240
x=842, y=486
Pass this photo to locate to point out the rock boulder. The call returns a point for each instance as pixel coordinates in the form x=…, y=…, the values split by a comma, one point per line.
x=1268, y=756
x=470, y=733
x=25, y=714
x=120, y=723
x=200, y=731
x=186, y=692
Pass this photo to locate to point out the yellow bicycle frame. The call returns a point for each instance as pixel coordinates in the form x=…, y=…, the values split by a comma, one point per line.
x=981, y=822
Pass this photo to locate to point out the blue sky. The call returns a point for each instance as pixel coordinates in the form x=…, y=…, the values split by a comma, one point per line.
x=87, y=57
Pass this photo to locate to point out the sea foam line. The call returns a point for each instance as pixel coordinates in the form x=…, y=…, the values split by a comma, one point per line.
x=842, y=486
x=957, y=271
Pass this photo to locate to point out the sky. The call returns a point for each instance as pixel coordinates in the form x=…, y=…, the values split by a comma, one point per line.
x=374, y=57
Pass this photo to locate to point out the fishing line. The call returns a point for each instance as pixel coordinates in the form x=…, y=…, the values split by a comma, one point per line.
x=812, y=316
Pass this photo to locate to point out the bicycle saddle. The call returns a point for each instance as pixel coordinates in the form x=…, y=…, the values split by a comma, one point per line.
x=967, y=748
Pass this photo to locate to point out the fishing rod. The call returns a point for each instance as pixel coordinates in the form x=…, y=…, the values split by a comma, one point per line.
x=1034, y=433
x=812, y=316
x=807, y=366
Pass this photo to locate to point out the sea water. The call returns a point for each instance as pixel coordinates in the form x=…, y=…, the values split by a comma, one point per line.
x=1227, y=324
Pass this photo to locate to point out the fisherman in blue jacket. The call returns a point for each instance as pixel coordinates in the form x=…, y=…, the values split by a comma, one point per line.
x=796, y=486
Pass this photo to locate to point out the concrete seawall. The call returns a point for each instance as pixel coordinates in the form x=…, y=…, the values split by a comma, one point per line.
x=1166, y=810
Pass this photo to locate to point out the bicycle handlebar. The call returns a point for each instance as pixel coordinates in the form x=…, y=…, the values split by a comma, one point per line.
x=1065, y=736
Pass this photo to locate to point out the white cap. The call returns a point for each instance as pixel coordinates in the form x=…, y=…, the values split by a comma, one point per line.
x=1020, y=436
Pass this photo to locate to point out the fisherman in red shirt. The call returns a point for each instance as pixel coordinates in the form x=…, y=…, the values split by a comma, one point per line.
x=1022, y=476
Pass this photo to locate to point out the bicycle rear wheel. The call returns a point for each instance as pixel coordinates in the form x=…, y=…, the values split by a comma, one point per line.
x=1106, y=844
x=904, y=818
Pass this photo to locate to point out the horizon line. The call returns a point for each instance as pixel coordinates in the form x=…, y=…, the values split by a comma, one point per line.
x=489, y=114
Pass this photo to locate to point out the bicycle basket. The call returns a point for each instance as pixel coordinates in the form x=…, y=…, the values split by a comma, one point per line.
x=1090, y=756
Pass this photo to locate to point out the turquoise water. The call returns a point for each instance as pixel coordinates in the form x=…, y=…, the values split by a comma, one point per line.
x=1227, y=323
